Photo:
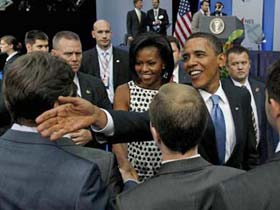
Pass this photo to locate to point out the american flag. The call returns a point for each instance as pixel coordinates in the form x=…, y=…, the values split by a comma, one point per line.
x=183, y=24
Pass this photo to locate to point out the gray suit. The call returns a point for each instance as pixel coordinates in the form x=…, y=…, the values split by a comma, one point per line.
x=106, y=162
x=258, y=189
x=183, y=184
x=36, y=173
x=195, y=21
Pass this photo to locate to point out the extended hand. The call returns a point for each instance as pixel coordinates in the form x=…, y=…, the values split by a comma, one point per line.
x=72, y=114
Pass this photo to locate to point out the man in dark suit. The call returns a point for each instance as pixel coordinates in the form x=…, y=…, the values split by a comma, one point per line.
x=36, y=40
x=178, y=121
x=238, y=66
x=259, y=188
x=203, y=56
x=218, y=9
x=36, y=173
x=157, y=18
x=92, y=60
x=11, y=46
x=136, y=21
x=67, y=45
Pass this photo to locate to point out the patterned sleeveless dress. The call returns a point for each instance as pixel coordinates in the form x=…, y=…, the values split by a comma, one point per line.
x=144, y=156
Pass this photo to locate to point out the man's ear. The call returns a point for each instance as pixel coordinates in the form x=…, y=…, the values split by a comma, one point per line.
x=93, y=34
x=53, y=52
x=275, y=107
x=221, y=60
x=155, y=135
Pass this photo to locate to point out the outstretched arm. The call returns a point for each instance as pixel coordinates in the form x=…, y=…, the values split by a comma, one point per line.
x=72, y=114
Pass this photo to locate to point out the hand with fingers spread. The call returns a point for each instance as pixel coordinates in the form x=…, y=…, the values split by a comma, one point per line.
x=72, y=114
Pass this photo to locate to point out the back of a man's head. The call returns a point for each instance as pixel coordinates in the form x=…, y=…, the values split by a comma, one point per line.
x=273, y=81
x=179, y=115
x=33, y=84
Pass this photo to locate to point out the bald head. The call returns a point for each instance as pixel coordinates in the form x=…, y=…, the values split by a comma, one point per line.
x=179, y=115
x=102, y=34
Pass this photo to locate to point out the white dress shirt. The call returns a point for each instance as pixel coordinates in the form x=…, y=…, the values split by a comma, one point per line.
x=110, y=86
x=224, y=105
x=76, y=81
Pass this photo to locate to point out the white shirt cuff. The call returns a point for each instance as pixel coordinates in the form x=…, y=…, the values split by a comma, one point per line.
x=109, y=128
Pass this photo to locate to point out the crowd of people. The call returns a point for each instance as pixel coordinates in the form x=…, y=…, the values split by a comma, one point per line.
x=155, y=127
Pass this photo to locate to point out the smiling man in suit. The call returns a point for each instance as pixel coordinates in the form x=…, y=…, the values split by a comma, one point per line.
x=157, y=18
x=229, y=138
x=259, y=188
x=238, y=66
x=115, y=70
x=67, y=45
x=36, y=173
x=136, y=20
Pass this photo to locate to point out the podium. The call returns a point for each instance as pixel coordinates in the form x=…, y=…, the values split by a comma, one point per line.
x=221, y=26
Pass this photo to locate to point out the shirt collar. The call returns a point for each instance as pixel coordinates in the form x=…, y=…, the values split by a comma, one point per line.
x=220, y=92
x=238, y=84
x=10, y=56
x=278, y=147
x=191, y=157
x=109, y=50
x=24, y=128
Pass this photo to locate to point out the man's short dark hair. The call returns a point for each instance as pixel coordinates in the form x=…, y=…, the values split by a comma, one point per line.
x=33, y=35
x=34, y=82
x=273, y=81
x=135, y=1
x=173, y=39
x=214, y=41
x=202, y=2
x=180, y=116
x=237, y=50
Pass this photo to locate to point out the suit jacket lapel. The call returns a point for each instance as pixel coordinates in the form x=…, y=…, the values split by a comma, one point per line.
x=86, y=93
x=95, y=57
x=259, y=99
x=235, y=107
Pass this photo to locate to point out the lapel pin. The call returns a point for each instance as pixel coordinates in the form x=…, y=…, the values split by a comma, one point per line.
x=257, y=89
x=117, y=61
x=236, y=108
x=88, y=92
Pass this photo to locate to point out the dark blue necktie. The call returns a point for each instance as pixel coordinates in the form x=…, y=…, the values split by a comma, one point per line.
x=220, y=128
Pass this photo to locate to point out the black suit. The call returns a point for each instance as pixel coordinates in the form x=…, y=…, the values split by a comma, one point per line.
x=36, y=173
x=133, y=26
x=266, y=144
x=121, y=73
x=244, y=154
x=164, y=21
x=93, y=90
x=182, y=184
x=136, y=125
x=10, y=61
x=257, y=189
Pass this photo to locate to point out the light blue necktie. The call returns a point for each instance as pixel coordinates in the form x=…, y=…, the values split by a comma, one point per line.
x=220, y=128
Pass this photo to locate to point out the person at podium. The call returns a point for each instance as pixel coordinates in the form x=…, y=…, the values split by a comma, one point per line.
x=218, y=9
